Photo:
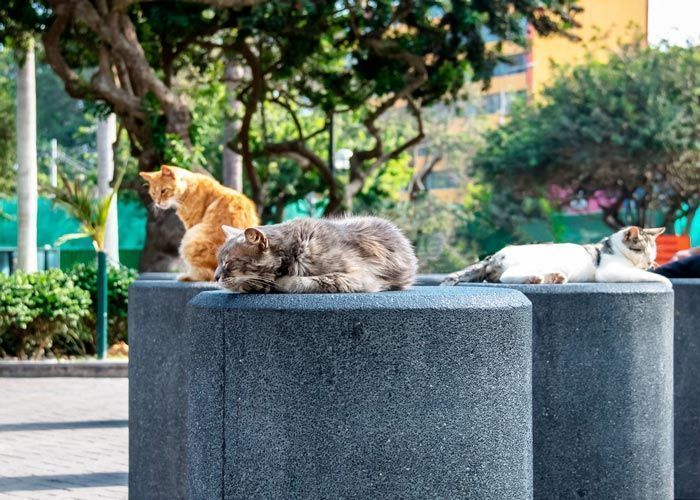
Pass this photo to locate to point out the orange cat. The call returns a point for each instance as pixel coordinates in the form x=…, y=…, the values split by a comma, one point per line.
x=203, y=206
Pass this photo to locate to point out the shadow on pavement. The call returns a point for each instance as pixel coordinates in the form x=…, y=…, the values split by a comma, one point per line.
x=63, y=481
x=50, y=426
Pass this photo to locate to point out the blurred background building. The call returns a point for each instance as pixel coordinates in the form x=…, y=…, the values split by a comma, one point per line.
x=605, y=26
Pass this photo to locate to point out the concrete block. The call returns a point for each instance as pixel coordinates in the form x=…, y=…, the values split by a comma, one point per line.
x=602, y=390
x=157, y=406
x=687, y=388
x=418, y=394
x=429, y=279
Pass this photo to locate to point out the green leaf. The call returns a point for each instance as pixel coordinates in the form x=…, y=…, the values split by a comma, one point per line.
x=68, y=237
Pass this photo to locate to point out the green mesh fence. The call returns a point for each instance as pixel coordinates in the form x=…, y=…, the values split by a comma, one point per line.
x=54, y=222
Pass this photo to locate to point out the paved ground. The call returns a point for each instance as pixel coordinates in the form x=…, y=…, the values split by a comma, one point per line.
x=63, y=438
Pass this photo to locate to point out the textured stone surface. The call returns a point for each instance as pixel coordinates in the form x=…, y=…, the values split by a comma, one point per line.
x=154, y=276
x=687, y=388
x=417, y=394
x=63, y=438
x=429, y=279
x=602, y=390
x=157, y=346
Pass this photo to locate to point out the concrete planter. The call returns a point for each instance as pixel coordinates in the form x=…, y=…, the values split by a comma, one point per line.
x=417, y=394
x=157, y=363
x=687, y=388
x=157, y=276
x=429, y=279
x=602, y=390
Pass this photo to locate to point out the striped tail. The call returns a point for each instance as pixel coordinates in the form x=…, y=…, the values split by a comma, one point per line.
x=474, y=273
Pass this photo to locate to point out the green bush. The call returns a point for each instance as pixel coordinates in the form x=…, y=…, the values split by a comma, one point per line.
x=54, y=313
x=118, y=281
x=41, y=313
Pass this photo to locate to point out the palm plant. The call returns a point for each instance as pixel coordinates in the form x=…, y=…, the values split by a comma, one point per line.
x=91, y=211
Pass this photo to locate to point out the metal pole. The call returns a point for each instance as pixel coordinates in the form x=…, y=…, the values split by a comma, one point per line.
x=101, y=305
x=53, y=167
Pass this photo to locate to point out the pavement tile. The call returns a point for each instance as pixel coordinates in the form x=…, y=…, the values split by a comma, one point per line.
x=63, y=438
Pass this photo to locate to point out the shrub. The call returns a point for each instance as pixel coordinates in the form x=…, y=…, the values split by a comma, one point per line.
x=41, y=313
x=432, y=226
x=118, y=281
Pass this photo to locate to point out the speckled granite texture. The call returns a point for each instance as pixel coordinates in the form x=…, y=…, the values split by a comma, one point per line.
x=687, y=388
x=429, y=279
x=157, y=408
x=602, y=390
x=157, y=276
x=417, y=394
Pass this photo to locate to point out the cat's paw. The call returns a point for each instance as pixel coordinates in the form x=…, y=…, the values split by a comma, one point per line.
x=197, y=274
x=535, y=280
x=556, y=278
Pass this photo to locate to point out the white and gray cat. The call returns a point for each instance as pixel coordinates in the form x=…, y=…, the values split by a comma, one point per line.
x=354, y=254
x=624, y=256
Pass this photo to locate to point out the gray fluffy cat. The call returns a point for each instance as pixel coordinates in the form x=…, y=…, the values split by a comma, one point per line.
x=624, y=256
x=355, y=254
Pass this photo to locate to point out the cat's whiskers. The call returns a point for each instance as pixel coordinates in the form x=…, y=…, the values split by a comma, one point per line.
x=240, y=282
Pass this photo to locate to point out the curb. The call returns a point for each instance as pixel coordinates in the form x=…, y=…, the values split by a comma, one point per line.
x=100, y=369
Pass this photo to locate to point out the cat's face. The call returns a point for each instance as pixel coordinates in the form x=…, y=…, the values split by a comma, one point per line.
x=247, y=261
x=164, y=187
x=638, y=244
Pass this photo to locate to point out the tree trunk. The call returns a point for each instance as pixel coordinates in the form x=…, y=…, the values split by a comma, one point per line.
x=351, y=190
x=232, y=162
x=27, y=191
x=164, y=230
x=106, y=135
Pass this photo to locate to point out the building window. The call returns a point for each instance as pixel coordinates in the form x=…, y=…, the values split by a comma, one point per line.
x=502, y=102
x=512, y=98
x=442, y=179
x=492, y=103
x=511, y=65
x=488, y=36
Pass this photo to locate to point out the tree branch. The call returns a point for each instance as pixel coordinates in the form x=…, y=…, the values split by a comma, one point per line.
x=299, y=148
x=418, y=179
x=291, y=112
x=390, y=50
x=100, y=85
x=251, y=104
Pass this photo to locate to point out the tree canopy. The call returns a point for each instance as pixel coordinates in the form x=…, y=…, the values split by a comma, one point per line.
x=308, y=59
x=626, y=131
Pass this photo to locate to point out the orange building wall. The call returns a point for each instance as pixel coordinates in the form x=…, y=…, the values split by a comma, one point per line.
x=614, y=22
x=605, y=25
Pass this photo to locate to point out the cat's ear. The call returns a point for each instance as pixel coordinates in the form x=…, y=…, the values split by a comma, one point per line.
x=654, y=232
x=147, y=175
x=255, y=236
x=231, y=232
x=631, y=233
x=166, y=171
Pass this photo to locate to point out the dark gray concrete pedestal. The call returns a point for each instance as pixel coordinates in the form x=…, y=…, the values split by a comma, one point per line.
x=602, y=390
x=687, y=388
x=157, y=348
x=417, y=394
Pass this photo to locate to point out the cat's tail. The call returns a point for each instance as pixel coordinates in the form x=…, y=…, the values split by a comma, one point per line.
x=474, y=273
